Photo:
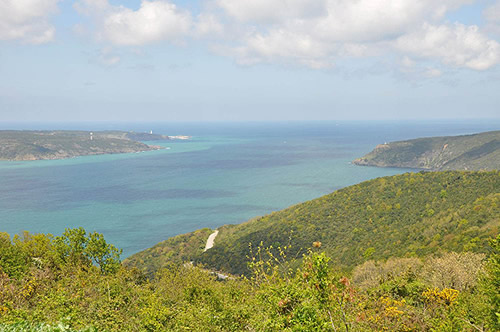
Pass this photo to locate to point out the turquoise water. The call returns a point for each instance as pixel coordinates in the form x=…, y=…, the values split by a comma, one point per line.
x=226, y=174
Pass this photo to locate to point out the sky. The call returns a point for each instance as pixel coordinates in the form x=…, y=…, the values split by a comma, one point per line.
x=248, y=60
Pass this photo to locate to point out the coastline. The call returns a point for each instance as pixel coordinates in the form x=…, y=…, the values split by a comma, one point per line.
x=33, y=145
x=28, y=159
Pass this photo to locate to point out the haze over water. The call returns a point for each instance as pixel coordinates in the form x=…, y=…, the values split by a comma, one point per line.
x=227, y=173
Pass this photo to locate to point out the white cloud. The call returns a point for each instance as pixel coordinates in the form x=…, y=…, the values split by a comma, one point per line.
x=309, y=33
x=271, y=11
x=283, y=31
x=154, y=21
x=282, y=43
x=456, y=45
x=208, y=26
x=340, y=20
x=368, y=20
x=27, y=20
x=305, y=32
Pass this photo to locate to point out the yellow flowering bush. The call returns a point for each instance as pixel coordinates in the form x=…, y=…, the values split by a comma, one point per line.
x=393, y=308
x=28, y=289
x=447, y=296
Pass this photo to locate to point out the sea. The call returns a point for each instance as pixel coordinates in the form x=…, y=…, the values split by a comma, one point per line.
x=226, y=173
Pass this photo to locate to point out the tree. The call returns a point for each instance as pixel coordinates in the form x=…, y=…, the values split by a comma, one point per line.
x=491, y=284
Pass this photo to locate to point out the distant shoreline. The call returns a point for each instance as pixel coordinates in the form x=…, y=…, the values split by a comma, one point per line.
x=464, y=152
x=31, y=145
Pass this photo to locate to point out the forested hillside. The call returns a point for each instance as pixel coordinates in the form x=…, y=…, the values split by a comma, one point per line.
x=467, y=152
x=178, y=249
x=408, y=215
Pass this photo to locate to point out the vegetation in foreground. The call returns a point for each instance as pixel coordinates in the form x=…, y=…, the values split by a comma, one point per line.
x=75, y=283
x=468, y=152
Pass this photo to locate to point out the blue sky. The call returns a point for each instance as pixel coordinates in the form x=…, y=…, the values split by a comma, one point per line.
x=240, y=60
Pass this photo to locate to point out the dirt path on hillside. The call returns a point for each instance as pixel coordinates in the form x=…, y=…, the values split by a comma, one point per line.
x=210, y=240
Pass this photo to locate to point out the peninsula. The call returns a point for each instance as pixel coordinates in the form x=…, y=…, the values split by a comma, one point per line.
x=468, y=152
x=20, y=145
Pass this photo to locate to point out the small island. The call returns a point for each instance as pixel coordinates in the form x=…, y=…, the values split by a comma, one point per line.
x=467, y=152
x=22, y=145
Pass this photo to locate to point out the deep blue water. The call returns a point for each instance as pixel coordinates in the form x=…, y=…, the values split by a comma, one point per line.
x=226, y=174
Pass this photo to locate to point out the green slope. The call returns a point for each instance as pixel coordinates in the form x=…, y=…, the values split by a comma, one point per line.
x=178, y=249
x=413, y=214
x=468, y=152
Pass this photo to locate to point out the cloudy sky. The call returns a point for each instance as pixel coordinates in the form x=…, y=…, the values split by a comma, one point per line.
x=237, y=60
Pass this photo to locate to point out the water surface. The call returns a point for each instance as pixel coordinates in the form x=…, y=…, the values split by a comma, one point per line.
x=226, y=174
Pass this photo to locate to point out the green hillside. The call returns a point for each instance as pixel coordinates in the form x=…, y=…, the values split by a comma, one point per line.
x=178, y=249
x=413, y=252
x=468, y=152
x=35, y=145
x=413, y=214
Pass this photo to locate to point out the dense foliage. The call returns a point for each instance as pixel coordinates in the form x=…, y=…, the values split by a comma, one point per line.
x=467, y=152
x=408, y=215
x=72, y=283
x=178, y=249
